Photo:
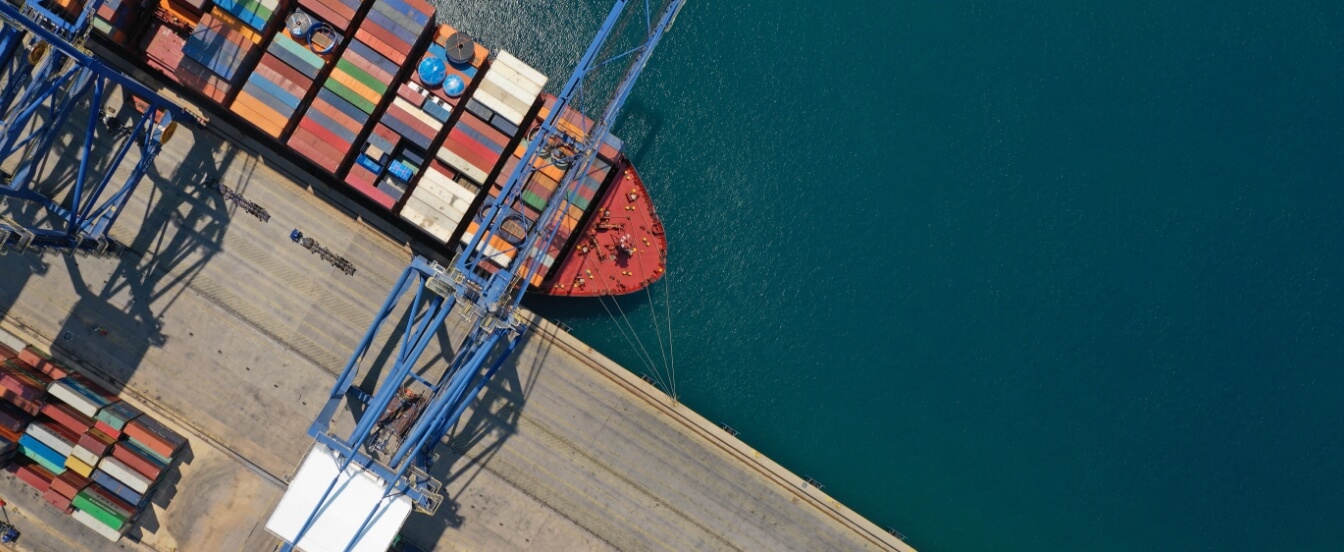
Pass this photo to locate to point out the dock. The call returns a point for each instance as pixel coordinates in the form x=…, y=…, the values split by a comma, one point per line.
x=216, y=321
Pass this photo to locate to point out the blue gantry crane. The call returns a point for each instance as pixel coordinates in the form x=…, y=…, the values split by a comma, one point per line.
x=46, y=74
x=354, y=489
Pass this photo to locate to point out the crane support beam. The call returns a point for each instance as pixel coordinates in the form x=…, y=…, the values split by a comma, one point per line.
x=46, y=80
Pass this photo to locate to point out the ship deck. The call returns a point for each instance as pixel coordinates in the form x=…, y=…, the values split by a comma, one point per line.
x=218, y=322
x=622, y=247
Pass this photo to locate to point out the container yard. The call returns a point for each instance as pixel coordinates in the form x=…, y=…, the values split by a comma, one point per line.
x=88, y=454
x=169, y=401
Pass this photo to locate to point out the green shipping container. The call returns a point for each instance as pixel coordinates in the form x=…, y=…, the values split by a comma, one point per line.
x=100, y=509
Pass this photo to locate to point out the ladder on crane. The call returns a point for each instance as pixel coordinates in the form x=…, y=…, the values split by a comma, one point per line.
x=46, y=75
x=354, y=490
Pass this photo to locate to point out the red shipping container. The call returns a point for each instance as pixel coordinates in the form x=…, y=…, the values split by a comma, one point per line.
x=34, y=475
x=6, y=353
x=386, y=37
x=68, y=417
x=107, y=429
x=386, y=134
x=56, y=499
x=325, y=13
x=400, y=114
x=96, y=441
x=415, y=98
x=325, y=140
x=42, y=363
x=69, y=483
x=377, y=45
x=289, y=73
x=143, y=466
x=11, y=436
x=155, y=435
x=302, y=143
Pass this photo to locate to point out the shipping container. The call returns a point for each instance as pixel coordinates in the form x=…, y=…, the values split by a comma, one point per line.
x=155, y=436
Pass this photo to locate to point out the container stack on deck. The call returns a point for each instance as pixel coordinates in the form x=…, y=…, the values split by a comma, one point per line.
x=499, y=108
x=356, y=86
x=441, y=199
x=88, y=454
x=220, y=46
x=115, y=15
x=383, y=168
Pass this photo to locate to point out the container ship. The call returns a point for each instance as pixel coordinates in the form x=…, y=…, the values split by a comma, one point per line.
x=413, y=117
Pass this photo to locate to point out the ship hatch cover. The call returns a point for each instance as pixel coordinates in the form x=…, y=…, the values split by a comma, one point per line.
x=461, y=48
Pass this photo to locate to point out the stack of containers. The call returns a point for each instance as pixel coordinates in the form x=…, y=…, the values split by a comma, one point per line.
x=440, y=200
x=114, y=17
x=355, y=88
x=217, y=51
x=89, y=454
x=23, y=387
x=438, y=203
x=337, y=13
x=256, y=14
x=283, y=77
x=502, y=100
x=383, y=168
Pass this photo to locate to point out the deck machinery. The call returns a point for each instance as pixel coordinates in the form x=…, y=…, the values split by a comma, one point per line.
x=46, y=74
x=353, y=491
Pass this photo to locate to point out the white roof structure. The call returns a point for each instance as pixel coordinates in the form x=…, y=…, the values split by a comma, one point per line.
x=357, y=493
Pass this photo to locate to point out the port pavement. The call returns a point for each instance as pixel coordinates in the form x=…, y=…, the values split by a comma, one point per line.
x=215, y=320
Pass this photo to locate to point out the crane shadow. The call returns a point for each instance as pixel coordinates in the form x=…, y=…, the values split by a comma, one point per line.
x=171, y=226
x=466, y=452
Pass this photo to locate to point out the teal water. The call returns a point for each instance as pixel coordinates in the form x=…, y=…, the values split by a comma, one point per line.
x=1002, y=275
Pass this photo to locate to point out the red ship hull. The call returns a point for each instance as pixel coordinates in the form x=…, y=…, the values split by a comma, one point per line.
x=621, y=248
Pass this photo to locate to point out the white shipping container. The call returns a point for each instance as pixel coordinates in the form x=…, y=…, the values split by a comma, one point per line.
x=66, y=394
x=85, y=455
x=522, y=68
x=52, y=439
x=503, y=72
x=436, y=220
x=432, y=205
x=442, y=197
x=508, y=93
x=97, y=526
x=123, y=473
x=499, y=107
x=426, y=218
x=441, y=183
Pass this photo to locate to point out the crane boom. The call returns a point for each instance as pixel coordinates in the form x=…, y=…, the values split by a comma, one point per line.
x=352, y=484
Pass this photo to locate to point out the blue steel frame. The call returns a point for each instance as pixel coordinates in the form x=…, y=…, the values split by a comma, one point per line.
x=52, y=87
x=492, y=300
